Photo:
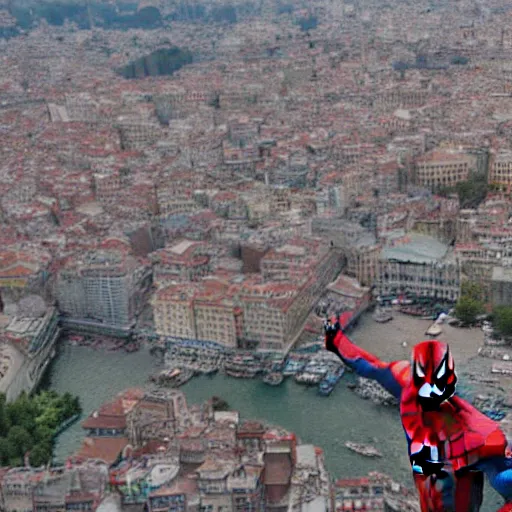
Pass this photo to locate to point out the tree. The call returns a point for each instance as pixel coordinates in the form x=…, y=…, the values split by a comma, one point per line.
x=467, y=309
x=43, y=433
x=4, y=451
x=19, y=441
x=503, y=320
x=472, y=290
x=4, y=420
x=22, y=412
x=40, y=454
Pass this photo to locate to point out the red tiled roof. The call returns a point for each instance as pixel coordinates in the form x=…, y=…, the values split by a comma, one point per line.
x=104, y=448
x=101, y=421
x=278, y=469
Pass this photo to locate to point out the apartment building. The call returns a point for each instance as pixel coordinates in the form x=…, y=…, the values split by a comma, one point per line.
x=185, y=260
x=267, y=314
x=22, y=273
x=401, y=98
x=501, y=286
x=500, y=170
x=478, y=261
x=103, y=289
x=204, y=311
x=293, y=260
x=173, y=311
x=419, y=265
x=438, y=169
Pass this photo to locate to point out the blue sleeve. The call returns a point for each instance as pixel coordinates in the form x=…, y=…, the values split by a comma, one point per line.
x=499, y=473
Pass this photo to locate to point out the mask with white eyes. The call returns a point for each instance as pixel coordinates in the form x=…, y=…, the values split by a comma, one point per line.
x=433, y=373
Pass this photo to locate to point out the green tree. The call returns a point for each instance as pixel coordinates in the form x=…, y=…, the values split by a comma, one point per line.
x=40, y=454
x=4, y=451
x=503, y=320
x=4, y=420
x=19, y=441
x=467, y=309
x=43, y=433
x=22, y=412
x=472, y=290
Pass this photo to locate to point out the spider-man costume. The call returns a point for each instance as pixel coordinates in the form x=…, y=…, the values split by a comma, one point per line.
x=451, y=444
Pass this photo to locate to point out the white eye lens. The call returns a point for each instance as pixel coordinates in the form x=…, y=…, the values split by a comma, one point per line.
x=419, y=371
x=441, y=371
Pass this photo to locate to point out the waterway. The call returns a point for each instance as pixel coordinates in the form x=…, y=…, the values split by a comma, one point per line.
x=96, y=377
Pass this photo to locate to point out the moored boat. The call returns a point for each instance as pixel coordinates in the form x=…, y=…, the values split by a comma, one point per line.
x=273, y=378
x=308, y=378
x=382, y=315
x=363, y=449
x=330, y=380
x=434, y=330
x=292, y=367
x=174, y=378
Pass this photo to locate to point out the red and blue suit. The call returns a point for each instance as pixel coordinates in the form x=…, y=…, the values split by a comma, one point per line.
x=451, y=444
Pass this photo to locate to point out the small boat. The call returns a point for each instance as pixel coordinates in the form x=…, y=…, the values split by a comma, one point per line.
x=330, y=380
x=293, y=367
x=382, y=316
x=248, y=373
x=308, y=378
x=273, y=378
x=363, y=449
x=173, y=378
x=434, y=330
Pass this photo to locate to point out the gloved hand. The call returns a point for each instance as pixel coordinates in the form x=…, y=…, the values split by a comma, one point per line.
x=423, y=464
x=331, y=329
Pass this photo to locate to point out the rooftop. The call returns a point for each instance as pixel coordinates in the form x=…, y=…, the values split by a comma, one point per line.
x=181, y=247
x=416, y=249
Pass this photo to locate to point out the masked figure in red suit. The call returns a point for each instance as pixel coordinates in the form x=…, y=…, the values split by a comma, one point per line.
x=451, y=444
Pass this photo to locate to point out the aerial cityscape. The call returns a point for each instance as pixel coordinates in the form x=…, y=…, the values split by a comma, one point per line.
x=189, y=189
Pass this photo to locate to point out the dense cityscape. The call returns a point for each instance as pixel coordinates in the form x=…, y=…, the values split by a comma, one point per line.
x=207, y=182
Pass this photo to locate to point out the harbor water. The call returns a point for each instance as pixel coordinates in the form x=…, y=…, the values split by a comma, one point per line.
x=97, y=376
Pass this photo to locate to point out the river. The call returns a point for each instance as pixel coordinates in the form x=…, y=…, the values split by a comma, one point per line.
x=96, y=376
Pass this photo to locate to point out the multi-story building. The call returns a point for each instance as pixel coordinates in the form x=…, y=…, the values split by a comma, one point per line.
x=252, y=312
x=477, y=263
x=216, y=318
x=203, y=311
x=246, y=487
x=363, y=262
x=419, y=265
x=106, y=185
x=157, y=416
x=173, y=311
x=181, y=496
x=17, y=489
x=438, y=169
x=22, y=273
x=138, y=133
x=274, y=313
x=169, y=206
x=500, y=170
x=279, y=456
x=293, y=260
x=401, y=98
x=501, y=286
x=212, y=482
x=185, y=260
x=103, y=290
x=27, y=348
x=79, y=487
